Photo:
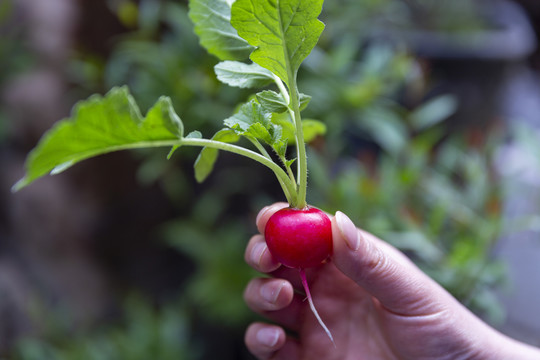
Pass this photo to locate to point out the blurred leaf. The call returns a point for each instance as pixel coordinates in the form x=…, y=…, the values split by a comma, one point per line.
x=145, y=333
x=204, y=164
x=416, y=242
x=6, y=10
x=283, y=120
x=128, y=13
x=377, y=59
x=312, y=128
x=149, y=14
x=493, y=310
x=221, y=273
x=3, y=127
x=433, y=112
x=386, y=127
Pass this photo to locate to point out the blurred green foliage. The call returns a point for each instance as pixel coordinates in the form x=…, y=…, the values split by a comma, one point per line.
x=519, y=166
x=386, y=160
x=145, y=333
x=448, y=16
x=15, y=57
x=218, y=251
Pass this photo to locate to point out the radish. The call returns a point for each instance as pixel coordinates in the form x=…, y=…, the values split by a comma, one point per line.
x=301, y=238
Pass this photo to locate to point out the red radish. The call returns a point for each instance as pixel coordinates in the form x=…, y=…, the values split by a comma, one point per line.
x=300, y=238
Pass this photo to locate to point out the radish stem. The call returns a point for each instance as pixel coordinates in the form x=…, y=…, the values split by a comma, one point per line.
x=288, y=186
x=312, y=306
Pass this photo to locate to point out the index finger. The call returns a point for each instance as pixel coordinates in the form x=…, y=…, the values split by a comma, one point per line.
x=266, y=213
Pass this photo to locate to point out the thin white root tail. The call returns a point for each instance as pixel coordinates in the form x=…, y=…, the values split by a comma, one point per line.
x=312, y=306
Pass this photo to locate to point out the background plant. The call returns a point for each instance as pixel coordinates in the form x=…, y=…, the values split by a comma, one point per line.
x=397, y=163
x=146, y=333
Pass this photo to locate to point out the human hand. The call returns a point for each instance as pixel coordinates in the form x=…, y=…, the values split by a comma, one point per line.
x=375, y=301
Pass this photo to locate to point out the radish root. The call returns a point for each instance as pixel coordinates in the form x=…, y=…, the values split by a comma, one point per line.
x=312, y=306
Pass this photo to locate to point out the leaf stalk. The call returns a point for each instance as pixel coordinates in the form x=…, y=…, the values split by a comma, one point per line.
x=287, y=185
x=300, y=146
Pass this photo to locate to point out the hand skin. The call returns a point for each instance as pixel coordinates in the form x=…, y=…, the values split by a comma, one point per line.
x=375, y=301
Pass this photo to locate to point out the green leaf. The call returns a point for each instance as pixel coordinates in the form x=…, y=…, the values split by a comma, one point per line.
x=101, y=125
x=238, y=74
x=259, y=131
x=250, y=113
x=280, y=147
x=283, y=31
x=208, y=156
x=272, y=101
x=312, y=128
x=191, y=135
x=283, y=120
x=212, y=24
x=253, y=121
x=288, y=163
x=304, y=101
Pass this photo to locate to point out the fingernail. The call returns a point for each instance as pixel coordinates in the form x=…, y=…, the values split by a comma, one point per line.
x=348, y=230
x=257, y=253
x=268, y=336
x=270, y=291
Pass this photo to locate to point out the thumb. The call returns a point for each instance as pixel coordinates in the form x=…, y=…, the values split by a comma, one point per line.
x=383, y=271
